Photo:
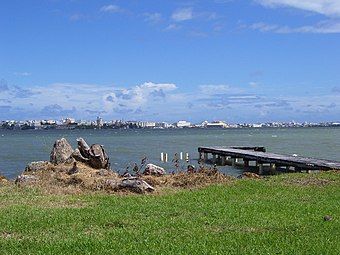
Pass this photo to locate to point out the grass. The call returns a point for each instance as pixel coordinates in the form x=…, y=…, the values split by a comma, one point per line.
x=277, y=215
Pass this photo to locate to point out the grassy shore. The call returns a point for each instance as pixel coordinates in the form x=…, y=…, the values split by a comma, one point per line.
x=277, y=215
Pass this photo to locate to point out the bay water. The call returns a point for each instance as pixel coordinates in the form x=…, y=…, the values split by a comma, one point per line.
x=125, y=147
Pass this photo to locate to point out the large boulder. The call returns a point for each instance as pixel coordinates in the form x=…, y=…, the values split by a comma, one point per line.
x=61, y=152
x=94, y=156
x=98, y=157
x=152, y=169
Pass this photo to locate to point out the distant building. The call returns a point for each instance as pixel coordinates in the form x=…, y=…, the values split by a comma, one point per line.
x=183, y=124
x=162, y=125
x=147, y=124
x=69, y=121
x=100, y=122
x=216, y=124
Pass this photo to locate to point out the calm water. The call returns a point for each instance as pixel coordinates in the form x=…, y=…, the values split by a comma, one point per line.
x=17, y=148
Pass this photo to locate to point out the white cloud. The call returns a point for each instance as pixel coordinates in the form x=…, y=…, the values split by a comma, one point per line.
x=110, y=8
x=323, y=27
x=182, y=14
x=158, y=101
x=84, y=99
x=133, y=99
x=153, y=17
x=22, y=73
x=172, y=27
x=215, y=89
x=325, y=7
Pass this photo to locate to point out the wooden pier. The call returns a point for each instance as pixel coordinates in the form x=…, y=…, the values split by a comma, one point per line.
x=257, y=158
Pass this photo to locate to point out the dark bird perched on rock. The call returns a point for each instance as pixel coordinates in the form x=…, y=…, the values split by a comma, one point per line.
x=74, y=169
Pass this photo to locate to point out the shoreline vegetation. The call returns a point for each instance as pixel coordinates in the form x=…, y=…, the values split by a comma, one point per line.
x=75, y=204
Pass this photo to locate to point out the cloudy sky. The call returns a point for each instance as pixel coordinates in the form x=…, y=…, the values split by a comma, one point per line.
x=233, y=60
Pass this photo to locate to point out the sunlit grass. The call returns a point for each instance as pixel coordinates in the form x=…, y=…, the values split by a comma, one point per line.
x=277, y=215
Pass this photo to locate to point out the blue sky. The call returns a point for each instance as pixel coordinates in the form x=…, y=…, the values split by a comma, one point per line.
x=233, y=60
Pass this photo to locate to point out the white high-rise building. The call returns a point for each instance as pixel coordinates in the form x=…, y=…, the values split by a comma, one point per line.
x=183, y=123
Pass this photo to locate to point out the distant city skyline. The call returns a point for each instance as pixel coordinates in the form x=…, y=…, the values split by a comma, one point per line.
x=238, y=61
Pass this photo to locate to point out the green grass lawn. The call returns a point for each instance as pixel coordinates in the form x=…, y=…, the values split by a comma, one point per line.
x=276, y=215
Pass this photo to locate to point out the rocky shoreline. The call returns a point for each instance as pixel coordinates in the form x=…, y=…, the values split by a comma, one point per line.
x=87, y=168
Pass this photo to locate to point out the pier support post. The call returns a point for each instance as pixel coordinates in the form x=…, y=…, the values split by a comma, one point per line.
x=214, y=159
x=260, y=168
x=246, y=163
x=223, y=161
x=233, y=162
x=205, y=156
x=272, y=168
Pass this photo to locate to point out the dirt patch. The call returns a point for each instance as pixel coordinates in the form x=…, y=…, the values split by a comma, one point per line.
x=8, y=235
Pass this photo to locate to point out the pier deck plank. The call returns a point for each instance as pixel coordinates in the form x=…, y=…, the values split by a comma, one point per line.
x=279, y=159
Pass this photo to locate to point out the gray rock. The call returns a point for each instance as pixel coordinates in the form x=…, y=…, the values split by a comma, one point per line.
x=112, y=184
x=83, y=148
x=98, y=157
x=61, y=152
x=25, y=179
x=152, y=169
x=136, y=185
x=37, y=166
x=79, y=157
x=95, y=156
x=133, y=184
